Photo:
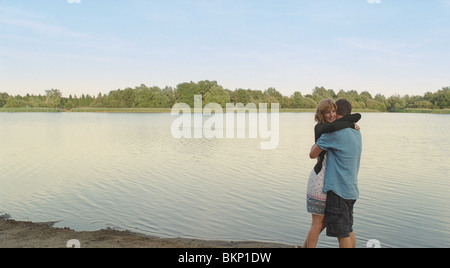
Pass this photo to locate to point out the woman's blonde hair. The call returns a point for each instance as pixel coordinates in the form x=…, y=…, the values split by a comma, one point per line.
x=324, y=107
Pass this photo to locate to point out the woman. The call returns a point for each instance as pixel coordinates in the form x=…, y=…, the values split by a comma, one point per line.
x=316, y=200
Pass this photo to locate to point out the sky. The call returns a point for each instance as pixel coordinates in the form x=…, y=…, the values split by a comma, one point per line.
x=92, y=46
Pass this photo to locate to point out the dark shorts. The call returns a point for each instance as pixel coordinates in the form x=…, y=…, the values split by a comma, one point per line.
x=339, y=216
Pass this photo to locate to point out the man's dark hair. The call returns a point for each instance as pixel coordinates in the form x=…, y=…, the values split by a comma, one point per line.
x=344, y=107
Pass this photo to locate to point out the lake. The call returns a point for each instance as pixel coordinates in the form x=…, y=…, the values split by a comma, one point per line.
x=126, y=171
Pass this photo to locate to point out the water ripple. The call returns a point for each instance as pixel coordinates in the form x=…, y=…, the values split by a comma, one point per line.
x=126, y=171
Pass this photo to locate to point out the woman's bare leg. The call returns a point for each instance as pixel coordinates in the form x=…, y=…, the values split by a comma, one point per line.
x=317, y=226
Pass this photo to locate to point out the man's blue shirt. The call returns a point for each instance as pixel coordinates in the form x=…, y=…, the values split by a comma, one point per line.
x=344, y=156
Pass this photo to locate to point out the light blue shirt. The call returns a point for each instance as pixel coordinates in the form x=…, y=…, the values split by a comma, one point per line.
x=344, y=156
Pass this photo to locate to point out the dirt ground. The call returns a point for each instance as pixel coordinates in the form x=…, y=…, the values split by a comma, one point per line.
x=16, y=234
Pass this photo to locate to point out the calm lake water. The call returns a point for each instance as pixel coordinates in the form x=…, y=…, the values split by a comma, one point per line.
x=126, y=171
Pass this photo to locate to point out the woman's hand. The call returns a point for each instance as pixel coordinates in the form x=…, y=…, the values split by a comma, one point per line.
x=315, y=152
x=357, y=127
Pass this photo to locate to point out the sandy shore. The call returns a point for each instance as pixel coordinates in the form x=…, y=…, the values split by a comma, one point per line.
x=16, y=234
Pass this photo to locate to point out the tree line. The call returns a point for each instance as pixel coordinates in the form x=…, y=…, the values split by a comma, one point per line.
x=155, y=97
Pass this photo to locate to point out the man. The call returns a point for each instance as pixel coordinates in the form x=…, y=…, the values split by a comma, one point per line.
x=341, y=177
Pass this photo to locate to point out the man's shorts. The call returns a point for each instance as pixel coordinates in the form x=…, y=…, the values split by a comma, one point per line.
x=339, y=216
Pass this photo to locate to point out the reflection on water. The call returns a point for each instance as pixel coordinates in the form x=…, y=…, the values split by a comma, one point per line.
x=126, y=171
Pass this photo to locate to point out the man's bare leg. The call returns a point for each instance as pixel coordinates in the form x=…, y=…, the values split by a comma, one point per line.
x=348, y=242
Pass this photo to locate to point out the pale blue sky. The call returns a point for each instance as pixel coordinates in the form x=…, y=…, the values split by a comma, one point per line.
x=392, y=47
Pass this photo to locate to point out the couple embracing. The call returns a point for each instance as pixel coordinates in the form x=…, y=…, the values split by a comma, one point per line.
x=333, y=183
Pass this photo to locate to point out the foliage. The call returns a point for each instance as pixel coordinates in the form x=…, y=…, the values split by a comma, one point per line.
x=157, y=98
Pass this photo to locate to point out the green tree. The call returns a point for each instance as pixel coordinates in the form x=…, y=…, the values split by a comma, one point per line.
x=217, y=95
x=287, y=102
x=257, y=97
x=297, y=100
x=159, y=99
x=273, y=96
x=341, y=94
x=309, y=103
x=320, y=93
x=155, y=97
x=242, y=96
x=143, y=97
x=69, y=103
x=186, y=91
x=380, y=98
x=127, y=98
x=14, y=102
x=100, y=102
x=365, y=96
x=443, y=98
x=53, y=98
x=395, y=103
x=205, y=86
x=76, y=101
x=375, y=105
x=423, y=104
x=82, y=101
x=3, y=99
x=114, y=99
x=169, y=92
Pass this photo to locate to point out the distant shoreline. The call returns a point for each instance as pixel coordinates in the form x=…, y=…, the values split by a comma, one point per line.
x=168, y=110
x=18, y=234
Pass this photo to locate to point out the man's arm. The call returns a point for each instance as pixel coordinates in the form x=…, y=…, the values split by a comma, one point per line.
x=315, y=151
x=348, y=121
